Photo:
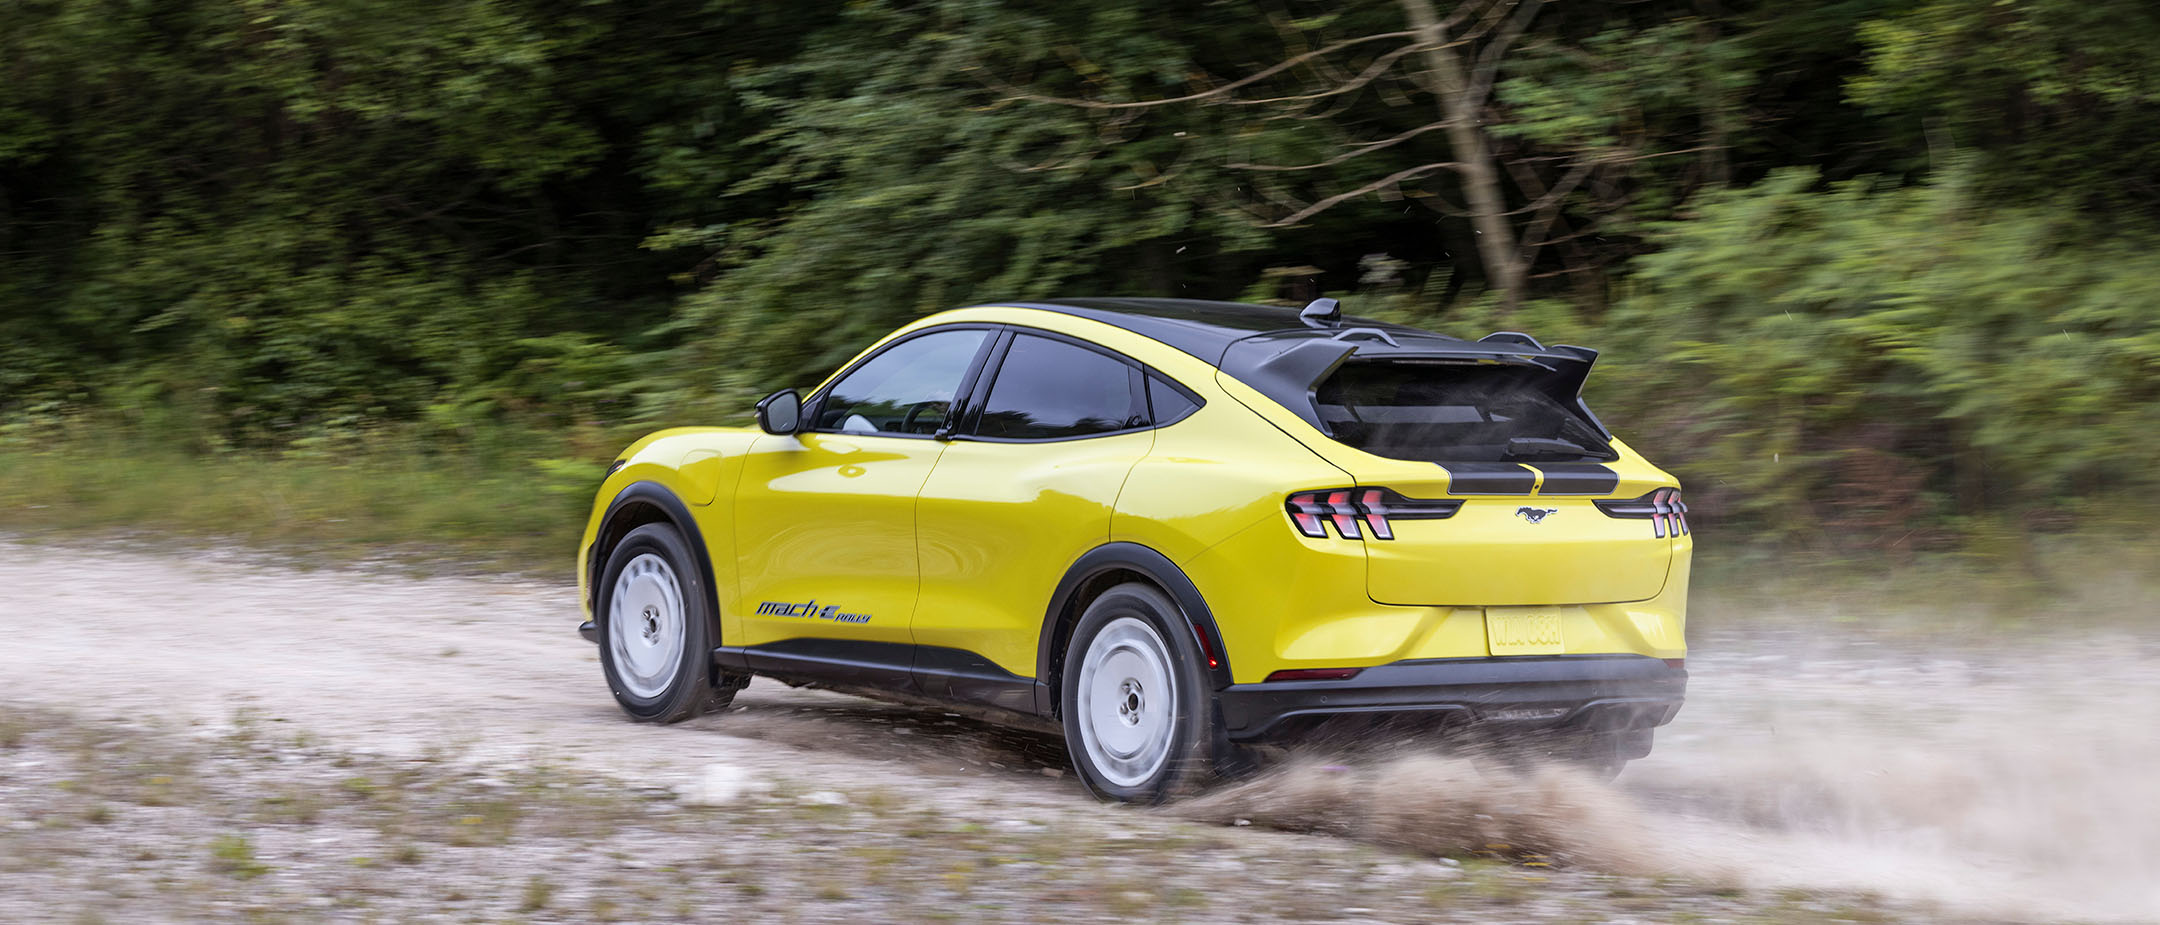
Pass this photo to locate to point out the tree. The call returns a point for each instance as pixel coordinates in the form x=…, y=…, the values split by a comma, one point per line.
x=1512, y=98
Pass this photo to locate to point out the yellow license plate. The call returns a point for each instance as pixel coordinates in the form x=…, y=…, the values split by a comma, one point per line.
x=1523, y=631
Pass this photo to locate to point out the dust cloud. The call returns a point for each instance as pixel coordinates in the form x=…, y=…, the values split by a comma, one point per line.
x=1997, y=786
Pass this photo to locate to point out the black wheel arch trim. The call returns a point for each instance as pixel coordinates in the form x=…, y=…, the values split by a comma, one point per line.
x=678, y=515
x=1122, y=556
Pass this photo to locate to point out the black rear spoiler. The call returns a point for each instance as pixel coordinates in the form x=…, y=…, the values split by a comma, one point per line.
x=1288, y=366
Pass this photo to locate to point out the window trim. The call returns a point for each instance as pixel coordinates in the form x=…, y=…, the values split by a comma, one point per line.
x=1138, y=372
x=814, y=408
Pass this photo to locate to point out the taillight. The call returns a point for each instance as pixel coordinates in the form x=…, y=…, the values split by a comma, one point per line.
x=1663, y=508
x=1376, y=511
x=1312, y=511
x=1306, y=513
x=1345, y=516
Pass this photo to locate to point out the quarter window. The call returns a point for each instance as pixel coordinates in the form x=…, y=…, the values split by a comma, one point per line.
x=1047, y=389
x=908, y=389
x=1168, y=403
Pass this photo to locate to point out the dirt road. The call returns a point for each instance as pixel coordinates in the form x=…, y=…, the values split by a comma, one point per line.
x=2015, y=783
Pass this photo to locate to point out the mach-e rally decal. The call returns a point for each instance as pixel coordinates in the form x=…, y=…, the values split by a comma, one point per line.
x=811, y=610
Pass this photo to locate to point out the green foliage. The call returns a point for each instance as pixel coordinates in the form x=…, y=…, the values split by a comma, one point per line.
x=1865, y=357
x=1861, y=268
x=915, y=188
x=2057, y=94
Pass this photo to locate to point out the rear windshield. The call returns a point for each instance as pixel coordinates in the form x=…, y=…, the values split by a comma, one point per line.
x=1453, y=412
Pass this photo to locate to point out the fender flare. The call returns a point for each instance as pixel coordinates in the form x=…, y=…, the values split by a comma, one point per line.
x=678, y=516
x=1122, y=556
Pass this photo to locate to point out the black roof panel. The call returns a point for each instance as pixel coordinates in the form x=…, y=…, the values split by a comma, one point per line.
x=1206, y=329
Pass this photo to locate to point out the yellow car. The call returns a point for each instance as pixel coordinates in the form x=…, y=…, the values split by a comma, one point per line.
x=1165, y=529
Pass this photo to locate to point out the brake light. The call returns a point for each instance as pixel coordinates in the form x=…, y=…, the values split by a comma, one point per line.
x=1663, y=508
x=1312, y=511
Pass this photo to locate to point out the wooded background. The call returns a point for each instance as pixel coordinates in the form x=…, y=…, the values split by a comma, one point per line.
x=1864, y=270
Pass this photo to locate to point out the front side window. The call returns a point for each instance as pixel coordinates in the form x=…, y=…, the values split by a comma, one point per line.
x=908, y=389
x=1049, y=389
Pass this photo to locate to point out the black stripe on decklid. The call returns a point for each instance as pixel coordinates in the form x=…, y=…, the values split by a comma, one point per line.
x=1489, y=478
x=1579, y=479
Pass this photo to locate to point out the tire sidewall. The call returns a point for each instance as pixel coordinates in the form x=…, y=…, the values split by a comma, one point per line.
x=1191, y=726
x=687, y=690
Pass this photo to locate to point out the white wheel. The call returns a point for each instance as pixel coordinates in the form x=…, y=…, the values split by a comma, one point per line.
x=1127, y=706
x=647, y=625
x=656, y=629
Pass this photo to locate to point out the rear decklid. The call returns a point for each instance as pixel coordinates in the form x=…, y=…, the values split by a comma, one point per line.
x=1485, y=453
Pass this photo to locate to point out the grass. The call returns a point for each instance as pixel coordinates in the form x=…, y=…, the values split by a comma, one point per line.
x=234, y=856
x=520, y=501
x=361, y=501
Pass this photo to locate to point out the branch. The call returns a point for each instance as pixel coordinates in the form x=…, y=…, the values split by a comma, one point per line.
x=1332, y=201
x=1455, y=17
x=1358, y=151
x=1379, y=66
x=1563, y=187
x=1225, y=88
x=1487, y=21
x=1575, y=177
x=1488, y=61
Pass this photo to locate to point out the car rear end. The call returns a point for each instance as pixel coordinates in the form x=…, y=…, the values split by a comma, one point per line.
x=1548, y=561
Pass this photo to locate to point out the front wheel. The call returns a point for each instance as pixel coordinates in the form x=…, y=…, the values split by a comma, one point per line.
x=655, y=629
x=1138, y=713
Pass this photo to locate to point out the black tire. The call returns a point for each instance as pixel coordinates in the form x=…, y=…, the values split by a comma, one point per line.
x=1189, y=719
x=677, y=686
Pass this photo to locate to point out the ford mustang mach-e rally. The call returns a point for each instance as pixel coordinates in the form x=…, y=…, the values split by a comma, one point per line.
x=1167, y=529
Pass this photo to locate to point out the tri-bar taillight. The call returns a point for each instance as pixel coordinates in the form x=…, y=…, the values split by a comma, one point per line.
x=1374, y=508
x=1663, y=508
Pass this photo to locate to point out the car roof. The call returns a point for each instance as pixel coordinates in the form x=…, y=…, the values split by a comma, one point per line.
x=1206, y=329
x=1278, y=352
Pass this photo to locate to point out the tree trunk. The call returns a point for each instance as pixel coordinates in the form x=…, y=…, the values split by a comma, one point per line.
x=1450, y=81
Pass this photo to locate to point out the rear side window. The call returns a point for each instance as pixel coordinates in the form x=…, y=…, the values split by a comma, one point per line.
x=1453, y=412
x=1047, y=389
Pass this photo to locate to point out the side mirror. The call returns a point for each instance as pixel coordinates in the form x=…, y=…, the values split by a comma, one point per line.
x=780, y=412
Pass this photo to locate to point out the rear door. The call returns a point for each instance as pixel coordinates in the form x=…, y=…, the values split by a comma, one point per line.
x=1519, y=468
x=825, y=519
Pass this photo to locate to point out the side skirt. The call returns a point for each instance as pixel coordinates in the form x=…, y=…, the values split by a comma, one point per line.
x=933, y=675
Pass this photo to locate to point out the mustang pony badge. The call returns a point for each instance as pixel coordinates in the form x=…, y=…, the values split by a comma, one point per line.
x=1535, y=514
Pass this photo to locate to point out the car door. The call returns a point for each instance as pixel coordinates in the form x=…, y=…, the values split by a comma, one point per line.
x=1027, y=486
x=825, y=518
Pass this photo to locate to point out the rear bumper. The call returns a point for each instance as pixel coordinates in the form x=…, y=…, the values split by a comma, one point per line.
x=1596, y=692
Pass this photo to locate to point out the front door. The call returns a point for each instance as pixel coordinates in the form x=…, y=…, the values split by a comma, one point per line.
x=1024, y=490
x=825, y=519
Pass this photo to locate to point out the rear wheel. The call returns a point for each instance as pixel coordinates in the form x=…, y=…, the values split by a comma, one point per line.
x=1138, y=712
x=654, y=624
